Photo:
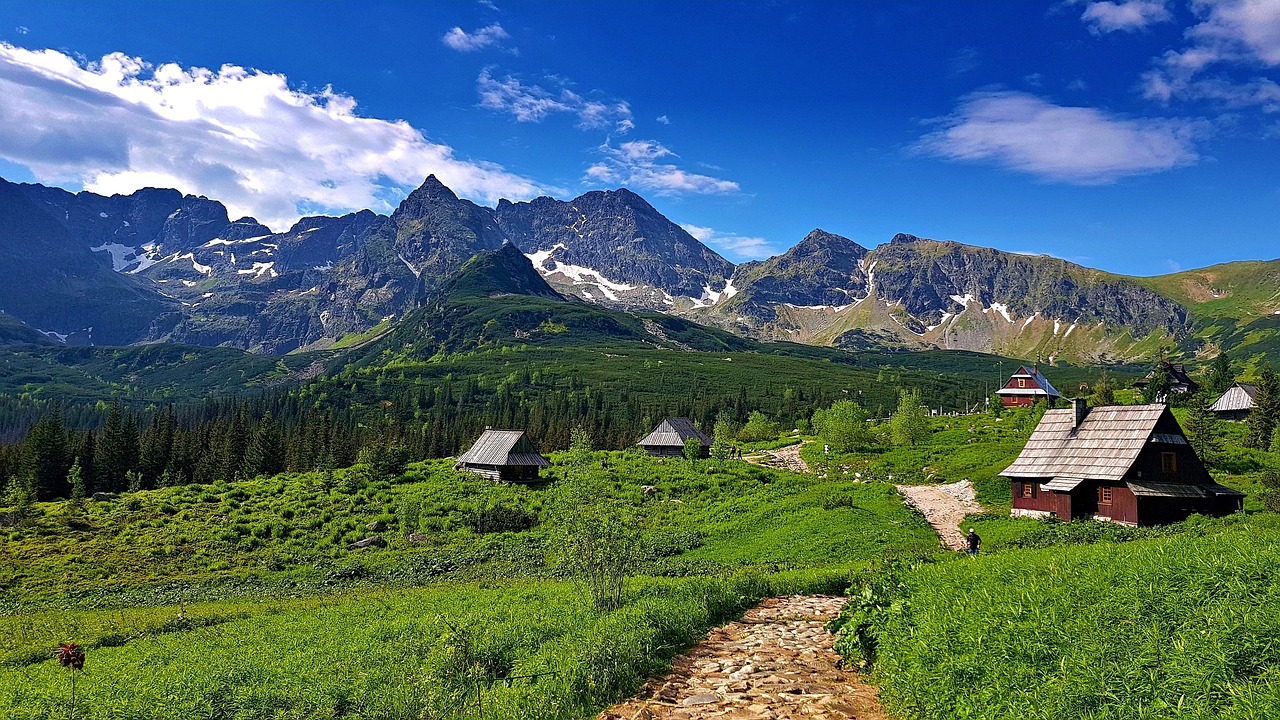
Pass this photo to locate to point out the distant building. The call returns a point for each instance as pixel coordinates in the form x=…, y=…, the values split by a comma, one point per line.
x=668, y=439
x=505, y=456
x=1027, y=387
x=1130, y=464
x=1179, y=381
x=1236, y=402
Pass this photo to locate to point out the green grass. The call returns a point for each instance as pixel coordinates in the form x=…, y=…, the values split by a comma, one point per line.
x=241, y=599
x=1176, y=627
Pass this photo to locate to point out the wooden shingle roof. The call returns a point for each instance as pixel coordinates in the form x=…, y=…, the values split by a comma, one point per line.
x=1103, y=447
x=503, y=448
x=674, y=431
x=1239, y=397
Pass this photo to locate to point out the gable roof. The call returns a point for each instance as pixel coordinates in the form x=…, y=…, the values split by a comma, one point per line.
x=1103, y=447
x=1043, y=386
x=675, y=431
x=1238, y=397
x=503, y=447
x=1176, y=372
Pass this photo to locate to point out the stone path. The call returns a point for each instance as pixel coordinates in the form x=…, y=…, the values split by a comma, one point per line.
x=944, y=506
x=776, y=664
x=787, y=458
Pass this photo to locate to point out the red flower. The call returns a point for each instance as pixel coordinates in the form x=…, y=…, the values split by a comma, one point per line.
x=71, y=655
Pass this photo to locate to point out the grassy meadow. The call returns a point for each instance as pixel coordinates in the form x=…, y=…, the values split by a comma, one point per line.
x=243, y=599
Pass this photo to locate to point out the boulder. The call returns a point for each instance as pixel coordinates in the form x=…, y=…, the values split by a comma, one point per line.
x=104, y=496
x=416, y=537
x=376, y=526
x=374, y=541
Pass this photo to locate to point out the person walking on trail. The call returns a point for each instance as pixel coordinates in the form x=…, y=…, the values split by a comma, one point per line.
x=975, y=543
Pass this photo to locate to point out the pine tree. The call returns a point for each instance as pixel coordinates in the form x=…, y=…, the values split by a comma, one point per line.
x=1266, y=408
x=1104, y=391
x=1201, y=427
x=46, y=461
x=265, y=453
x=1220, y=376
x=76, y=480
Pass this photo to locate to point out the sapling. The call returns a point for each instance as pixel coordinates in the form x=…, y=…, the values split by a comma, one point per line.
x=71, y=656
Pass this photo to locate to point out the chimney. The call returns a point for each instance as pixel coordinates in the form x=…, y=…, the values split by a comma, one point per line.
x=1080, y=408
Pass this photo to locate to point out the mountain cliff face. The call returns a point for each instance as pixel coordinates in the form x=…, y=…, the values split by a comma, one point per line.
x=613, y=247
x=159, y=266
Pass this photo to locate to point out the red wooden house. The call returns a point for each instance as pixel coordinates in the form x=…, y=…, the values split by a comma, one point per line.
x=1130, y=464
x=1027, y=387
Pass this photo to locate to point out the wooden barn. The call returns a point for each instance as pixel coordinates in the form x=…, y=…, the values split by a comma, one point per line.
x=504, y=456
x=1235, y=403
x=1130, y=464
x=668, y=439
x=1027, y=387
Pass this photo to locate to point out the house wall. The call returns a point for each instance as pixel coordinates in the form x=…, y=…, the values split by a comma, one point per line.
x=504, y=473
x=672, y=451
x=1123, y=507
x=1012, y=401
x=1042, y=500
x=1149, y=465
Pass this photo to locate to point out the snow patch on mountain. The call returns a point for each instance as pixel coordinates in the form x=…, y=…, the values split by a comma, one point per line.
x=259, y=269
x=121, y=255
x=577, y=274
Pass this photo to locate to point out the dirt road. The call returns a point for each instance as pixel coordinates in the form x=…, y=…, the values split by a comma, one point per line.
x=787, y=458
x=776, y=662
x=944, y=506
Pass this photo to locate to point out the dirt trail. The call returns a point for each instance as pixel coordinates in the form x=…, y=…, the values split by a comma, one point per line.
x=787, y=458
x=775, y=663
x=944, y=506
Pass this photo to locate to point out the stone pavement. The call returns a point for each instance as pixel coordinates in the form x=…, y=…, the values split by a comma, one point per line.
x=776, y=664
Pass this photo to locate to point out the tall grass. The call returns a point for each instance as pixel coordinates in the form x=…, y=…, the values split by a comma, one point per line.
x=1177, y=627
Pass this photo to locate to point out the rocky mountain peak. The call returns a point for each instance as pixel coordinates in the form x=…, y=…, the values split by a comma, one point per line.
x=505, y=271
x=903, y=238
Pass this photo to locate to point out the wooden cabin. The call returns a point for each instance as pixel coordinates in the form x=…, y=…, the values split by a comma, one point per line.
x=668, y=439
x=503, y=456
x=1179, y=381
x=1235, y=403
x=1027, y=387
x=1129, y=464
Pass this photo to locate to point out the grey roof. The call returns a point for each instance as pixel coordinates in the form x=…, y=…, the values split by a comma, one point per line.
x=1238, y=397
x=1044, y=385
x=1168, y=439
x=503, y=447
x=674, y=431
x=1062, y=484
x=1159, y=489
x=1103, y=447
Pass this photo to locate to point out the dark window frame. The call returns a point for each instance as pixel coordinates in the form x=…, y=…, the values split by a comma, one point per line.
x=1169, y=462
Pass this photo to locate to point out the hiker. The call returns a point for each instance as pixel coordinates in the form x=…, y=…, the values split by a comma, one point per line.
x=975, y=543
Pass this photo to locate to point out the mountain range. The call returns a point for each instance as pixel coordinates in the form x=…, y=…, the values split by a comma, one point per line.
x=158, y=266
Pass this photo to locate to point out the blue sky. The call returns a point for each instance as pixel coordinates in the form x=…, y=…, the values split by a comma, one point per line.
x=1138, y=136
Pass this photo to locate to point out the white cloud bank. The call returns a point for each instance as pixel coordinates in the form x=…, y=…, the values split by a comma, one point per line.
x=237, y=135
x=463, y=41
x=641, y=164
x=1077, y=145
x=534, y=103
x=1233, y=35
x=1126, y=16
x=735, y=247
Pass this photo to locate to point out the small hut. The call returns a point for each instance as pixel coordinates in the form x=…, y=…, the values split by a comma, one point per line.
x=668, y=439
x=1236, y=402
x=1129, y=464
x=504, y=456
x=1027, y=387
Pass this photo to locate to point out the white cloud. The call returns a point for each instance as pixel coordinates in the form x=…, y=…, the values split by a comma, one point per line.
x=533, y=103
x=1234, y=39
x=22, y=29
x=1069, y=144
x=664, y=120
x=637, y=164
x=238, y=135
x=735, y=247
x=1126, y=15
x=463, y=41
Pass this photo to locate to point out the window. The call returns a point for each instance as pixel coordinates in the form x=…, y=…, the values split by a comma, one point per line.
x=1026, y=489
x=1169, y=462
x=1104, y=495
x=1022, y=382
